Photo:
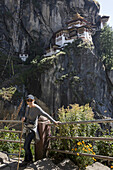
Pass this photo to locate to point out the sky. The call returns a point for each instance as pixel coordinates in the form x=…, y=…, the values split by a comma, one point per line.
x=106, y=8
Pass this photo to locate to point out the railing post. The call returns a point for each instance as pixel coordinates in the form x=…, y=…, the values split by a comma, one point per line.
x=44, y=131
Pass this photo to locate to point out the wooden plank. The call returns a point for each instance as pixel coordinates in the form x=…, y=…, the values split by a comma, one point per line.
x=14, y=141
x=10, y=131
x=86, y=122
x=81, y=138
x=83, y=154
x=10, y=121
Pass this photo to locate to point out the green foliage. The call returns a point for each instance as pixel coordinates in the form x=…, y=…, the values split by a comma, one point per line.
x=9, y=146
x=7, y=93
x=106, y=46
x=82, y=147
x=70, y=114
x=47, y=62
x=107, y=145
x=36, y=60
x=82, y=113
x=77, y=113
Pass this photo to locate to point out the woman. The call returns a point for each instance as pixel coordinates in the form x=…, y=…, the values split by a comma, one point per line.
x=33, y=112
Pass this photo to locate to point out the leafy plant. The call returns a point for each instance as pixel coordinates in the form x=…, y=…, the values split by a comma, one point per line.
x=71, y=114
x=7, y=93
x=106, y=46
x=78, y=113
x=82, y=147
x=10, y=147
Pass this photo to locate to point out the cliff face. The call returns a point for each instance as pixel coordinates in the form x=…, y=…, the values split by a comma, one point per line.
x=26, y=22
x=73, y=76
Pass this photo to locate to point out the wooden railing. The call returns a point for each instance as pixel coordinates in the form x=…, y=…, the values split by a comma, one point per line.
x=11, y=131
x=66, y=137
x=82, y=138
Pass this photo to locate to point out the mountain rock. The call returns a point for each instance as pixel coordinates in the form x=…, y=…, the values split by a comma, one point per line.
x=73, y=76
x=30, y=23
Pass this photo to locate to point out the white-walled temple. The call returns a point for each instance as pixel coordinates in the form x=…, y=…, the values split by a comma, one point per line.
x=76, y=28
x=62, y=38
x=23, y=57
x=77, y=21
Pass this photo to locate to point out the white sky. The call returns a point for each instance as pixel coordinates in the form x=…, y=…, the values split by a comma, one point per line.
x=106, y=8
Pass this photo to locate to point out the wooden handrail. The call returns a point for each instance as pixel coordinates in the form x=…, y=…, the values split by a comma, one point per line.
x=10, y=121
x=81, y=138
x=82, y=154
x=14, y=141
x=10, y=131
x=86, y=122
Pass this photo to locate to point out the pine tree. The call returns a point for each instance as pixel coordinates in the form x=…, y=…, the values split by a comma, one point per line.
x=106, y=46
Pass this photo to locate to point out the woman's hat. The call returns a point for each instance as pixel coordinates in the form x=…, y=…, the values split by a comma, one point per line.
x=30, y=96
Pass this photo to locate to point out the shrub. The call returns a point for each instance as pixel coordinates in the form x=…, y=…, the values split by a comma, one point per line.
x=82, y=147
x=75, y=113
x=10, y=147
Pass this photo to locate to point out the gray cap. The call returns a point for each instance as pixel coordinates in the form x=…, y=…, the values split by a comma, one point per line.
x=30, y=96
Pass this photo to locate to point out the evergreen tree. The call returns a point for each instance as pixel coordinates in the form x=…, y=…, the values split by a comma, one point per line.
x=106, y=46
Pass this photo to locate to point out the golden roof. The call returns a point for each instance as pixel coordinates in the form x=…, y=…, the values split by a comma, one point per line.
x=77, y=16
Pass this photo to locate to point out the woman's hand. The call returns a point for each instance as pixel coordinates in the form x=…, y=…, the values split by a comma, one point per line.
x=23, y=118
x=57, y=122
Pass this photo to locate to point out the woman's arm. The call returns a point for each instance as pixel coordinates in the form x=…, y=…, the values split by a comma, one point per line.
x=43, y=113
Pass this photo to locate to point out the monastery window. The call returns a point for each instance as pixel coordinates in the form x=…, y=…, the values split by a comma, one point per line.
x=76, y=22
x=59, y=39
x=81, y=31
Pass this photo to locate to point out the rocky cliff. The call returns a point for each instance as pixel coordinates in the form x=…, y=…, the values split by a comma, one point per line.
x=75, y=75
x=30, y=24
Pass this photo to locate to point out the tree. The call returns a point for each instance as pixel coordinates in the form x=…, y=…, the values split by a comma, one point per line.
x=106, y=46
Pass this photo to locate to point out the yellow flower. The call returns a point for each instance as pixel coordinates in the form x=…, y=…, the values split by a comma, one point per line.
x=94, y=159
x=75, y=149
x=111, y=166
x=79, y=143
x=72, y=149
x=77, y=154
x=93, y=153
x=90, y=145
x=83, y=142
x=83, y=149
x=87, y=146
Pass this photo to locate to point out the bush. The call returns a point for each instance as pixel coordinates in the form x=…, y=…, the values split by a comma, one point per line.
x=10, y=147
x=82, y=147
x=76, y=113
